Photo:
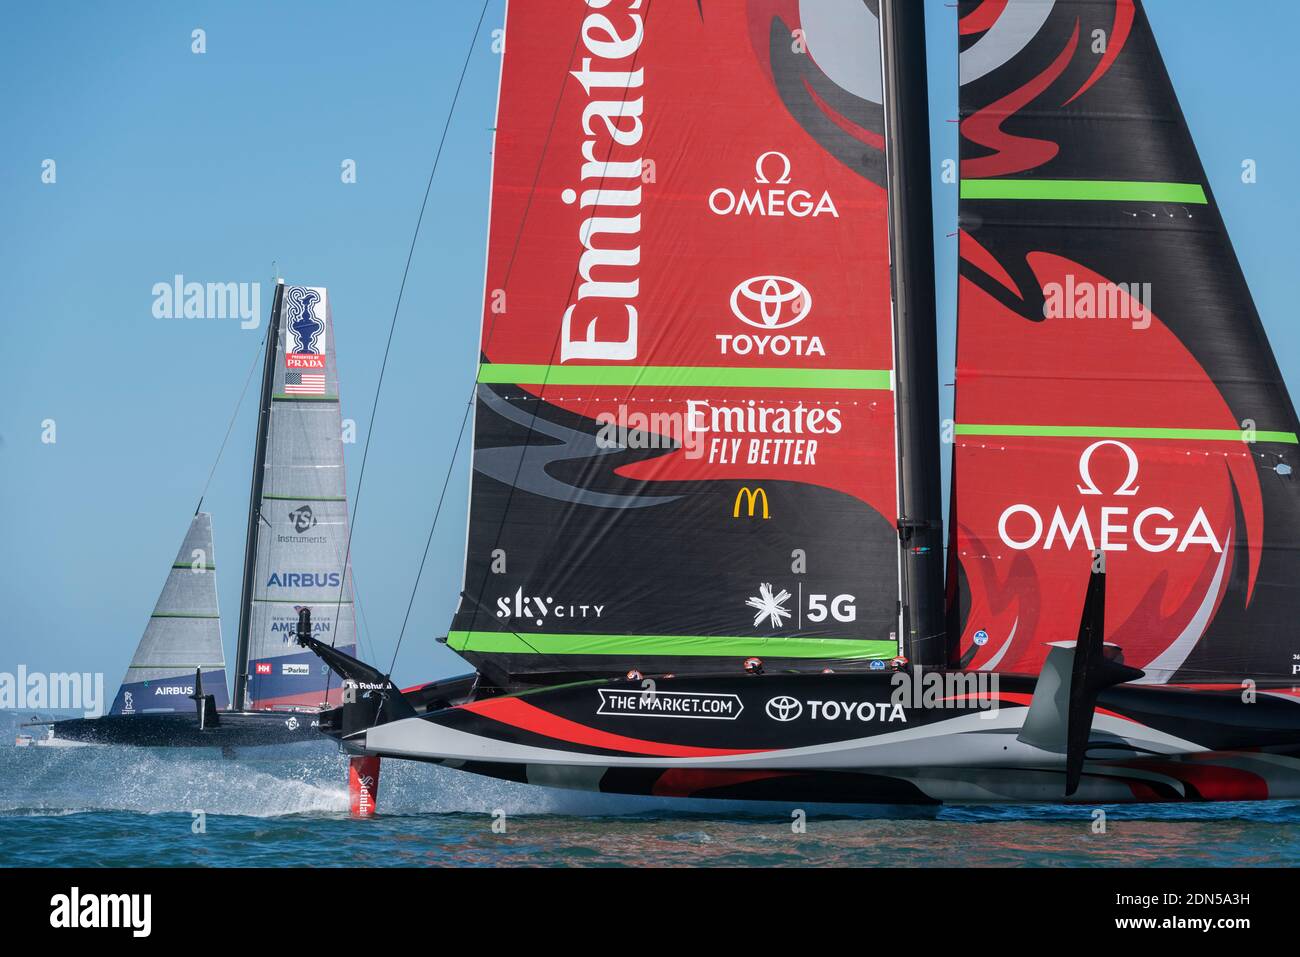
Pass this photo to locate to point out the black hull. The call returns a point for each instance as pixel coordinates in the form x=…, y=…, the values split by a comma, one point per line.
x=839, y=739
x=236, y=729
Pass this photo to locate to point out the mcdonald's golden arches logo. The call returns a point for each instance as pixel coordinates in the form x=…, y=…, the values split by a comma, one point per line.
x=751, y=497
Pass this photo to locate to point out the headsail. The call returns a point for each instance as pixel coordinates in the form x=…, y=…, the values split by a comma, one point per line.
x=301, y=517
x=183, y=635
x=684, y=445
x=1115, y=388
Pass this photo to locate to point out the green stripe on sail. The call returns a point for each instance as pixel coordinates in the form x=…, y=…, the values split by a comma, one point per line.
x=1084, y=189
x=306, y=498
x=303, y=601
x=304, y=398
x=502, y=373
x=1124, y=432
x=173, y=664
x=201, y=568
x=503, y=642
x=180, y=614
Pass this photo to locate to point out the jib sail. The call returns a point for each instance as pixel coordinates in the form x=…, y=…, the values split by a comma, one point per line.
x=183, y=635
x=684, y=443
x=299, y=530
x=1115, y=389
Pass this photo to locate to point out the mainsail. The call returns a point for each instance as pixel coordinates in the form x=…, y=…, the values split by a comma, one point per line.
x=183, y=635
x=298, y=534
x=1115, y=388
x=684, y=441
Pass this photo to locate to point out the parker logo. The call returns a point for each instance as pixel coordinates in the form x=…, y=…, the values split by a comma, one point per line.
x=784, y=708
x=1154, y=529
x=670, y=704
x=771, y=302
x=771, y=174
x=296, y=671
x=751, y=498
x=303, y=520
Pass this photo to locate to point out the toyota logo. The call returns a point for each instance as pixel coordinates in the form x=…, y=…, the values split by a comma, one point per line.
x=784, y=708
x=771, y=302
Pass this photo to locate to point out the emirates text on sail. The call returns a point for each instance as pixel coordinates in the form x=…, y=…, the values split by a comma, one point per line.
x=611, y=179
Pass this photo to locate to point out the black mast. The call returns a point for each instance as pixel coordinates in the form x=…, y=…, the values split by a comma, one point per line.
x=911, y=235
x=255, y=505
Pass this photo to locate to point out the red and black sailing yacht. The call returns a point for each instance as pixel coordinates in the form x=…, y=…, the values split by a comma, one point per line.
x=705, y=552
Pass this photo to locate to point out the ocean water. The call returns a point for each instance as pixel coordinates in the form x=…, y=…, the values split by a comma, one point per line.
x=126, y=807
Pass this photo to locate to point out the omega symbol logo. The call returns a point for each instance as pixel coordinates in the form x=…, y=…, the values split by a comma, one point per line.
x=1089, y=487
x=760, y=173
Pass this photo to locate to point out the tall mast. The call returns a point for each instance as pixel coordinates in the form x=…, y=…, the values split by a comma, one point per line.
x=255, y=504
x=911, y=234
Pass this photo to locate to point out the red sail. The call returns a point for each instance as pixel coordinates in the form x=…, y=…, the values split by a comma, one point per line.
x=1115, y=390
x=687, y=344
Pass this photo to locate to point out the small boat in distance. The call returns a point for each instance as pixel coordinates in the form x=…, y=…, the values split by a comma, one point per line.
x=175, y=692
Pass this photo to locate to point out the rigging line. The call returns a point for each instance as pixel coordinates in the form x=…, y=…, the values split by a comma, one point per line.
x=492, y=329
x=234, y=416
x=445, y=482
x=370, y=429
x=360, y=610
x=537, y=178
x=554, y=346
x=487, y=340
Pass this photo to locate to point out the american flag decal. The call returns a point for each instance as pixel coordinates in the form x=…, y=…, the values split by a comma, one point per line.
x=304, y=383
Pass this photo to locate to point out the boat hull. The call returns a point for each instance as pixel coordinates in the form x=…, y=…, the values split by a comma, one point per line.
x=236, y=729
x=858, y=739
x=1213, y=776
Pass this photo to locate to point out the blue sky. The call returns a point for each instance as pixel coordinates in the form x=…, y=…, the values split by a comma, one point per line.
x=215, y=166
